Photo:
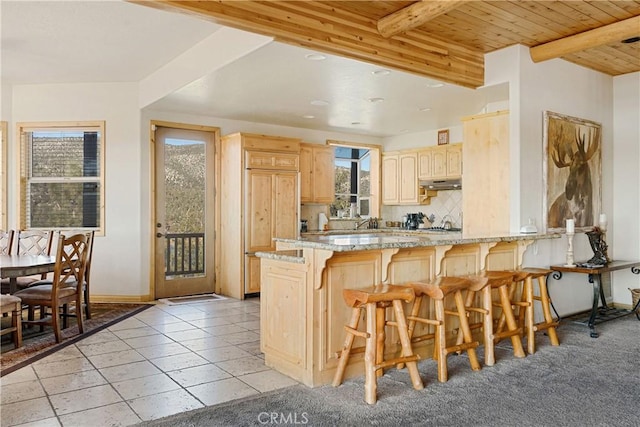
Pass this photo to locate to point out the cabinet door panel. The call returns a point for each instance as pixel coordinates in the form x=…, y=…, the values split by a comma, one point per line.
x=408, y=178
x=251, y=274
x=259, y=211
x=390, y=179
x=285, y=206
x=323, y=175
x=425, y=164
x=454, y=161
x=439, y=163
x=306, y=174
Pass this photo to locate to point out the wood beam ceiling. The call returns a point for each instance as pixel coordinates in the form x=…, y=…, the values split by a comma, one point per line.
x=321, y=26
x=415, y=15
x=601, y=36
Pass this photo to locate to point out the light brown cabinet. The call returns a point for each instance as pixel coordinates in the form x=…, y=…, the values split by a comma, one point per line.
x=259, y=201
x=440, y=162
x=485, y=193
x=400, y=178
x=317, y=177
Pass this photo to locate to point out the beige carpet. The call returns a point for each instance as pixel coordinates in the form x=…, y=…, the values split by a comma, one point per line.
x=37, y=345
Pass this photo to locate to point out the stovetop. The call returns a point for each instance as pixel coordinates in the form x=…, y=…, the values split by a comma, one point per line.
x=440, y=229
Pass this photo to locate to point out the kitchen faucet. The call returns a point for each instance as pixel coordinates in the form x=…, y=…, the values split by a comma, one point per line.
x=363, y=222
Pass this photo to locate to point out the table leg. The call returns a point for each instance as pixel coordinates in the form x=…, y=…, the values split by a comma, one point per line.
x=13, y=285
x=595, y=279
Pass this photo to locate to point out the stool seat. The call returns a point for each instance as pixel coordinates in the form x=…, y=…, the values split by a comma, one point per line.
x=437, y=291
x=374, y=300
x=12, y=304
x=377, y=293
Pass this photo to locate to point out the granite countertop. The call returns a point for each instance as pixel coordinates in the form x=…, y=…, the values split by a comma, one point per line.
x=291, y=255
x=372, y=241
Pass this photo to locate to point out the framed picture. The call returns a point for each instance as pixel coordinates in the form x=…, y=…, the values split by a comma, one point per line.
x=443, y=137
x=572, y=171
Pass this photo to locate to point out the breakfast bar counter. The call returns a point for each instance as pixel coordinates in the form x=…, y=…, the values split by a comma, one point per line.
x=302, y=308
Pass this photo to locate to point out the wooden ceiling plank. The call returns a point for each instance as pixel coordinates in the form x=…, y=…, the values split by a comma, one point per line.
x=414, y=16
x=570, y=20
x=613, y=9
x=318, y=32
x=535, y=28
x=594, y=13
x=597, y=37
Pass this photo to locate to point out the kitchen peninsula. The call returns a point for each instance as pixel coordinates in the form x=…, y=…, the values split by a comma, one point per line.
x=302, y=309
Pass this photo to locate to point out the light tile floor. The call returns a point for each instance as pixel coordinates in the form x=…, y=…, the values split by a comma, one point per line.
x=165, y=360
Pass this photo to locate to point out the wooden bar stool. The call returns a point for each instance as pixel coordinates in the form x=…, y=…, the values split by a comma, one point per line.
x=375, y=300
x=526, y=276
x=12, y=304
x=440, y=289
x=500, y=281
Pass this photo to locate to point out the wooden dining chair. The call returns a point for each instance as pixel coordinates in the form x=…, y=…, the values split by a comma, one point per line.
x=86, y=281
x=64, y=289
x=6, y=242
x=30, y=242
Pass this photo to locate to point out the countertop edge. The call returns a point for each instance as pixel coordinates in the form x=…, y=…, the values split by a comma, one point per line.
x=420, y=241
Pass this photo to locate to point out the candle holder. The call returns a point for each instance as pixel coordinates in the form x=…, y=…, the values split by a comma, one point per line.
x=570, y=262
x=598, y=246
x=603, y=239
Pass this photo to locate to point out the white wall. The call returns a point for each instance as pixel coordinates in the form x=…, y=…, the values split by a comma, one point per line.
x=118, y=265
x=565, y=88
x=625, y=223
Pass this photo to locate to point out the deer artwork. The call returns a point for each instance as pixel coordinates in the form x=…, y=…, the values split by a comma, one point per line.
x=577, y=199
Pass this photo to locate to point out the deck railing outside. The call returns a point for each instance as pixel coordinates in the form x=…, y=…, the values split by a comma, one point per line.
x=184, y=254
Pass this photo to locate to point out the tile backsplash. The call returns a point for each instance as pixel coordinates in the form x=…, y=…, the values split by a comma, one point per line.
x=447, y=202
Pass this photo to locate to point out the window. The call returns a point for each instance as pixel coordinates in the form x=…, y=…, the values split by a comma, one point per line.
x=62, y=175
x=354, y=180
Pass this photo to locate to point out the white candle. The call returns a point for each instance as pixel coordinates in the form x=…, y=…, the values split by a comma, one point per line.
x=571, y=226
x=603, y=221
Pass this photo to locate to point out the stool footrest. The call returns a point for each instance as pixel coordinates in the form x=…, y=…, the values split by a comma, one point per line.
x=356, y=350
x=397, y=360
x=461, y=347
x=507, y=333
x=425, y=321
x=542, y=326
x=356, y=332
x=421, y=338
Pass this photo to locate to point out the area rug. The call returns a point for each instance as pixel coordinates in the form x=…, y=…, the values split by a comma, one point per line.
x=37, y=345
x=582, y=382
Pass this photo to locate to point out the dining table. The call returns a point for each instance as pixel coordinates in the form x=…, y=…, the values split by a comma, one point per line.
x=14, y=266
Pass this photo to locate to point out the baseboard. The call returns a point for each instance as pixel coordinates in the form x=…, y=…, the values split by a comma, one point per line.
x=121, y=298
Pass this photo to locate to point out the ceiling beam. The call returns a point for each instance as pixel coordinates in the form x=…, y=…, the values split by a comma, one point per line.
x=600, y=36
x=323, y=26
x=415, y=15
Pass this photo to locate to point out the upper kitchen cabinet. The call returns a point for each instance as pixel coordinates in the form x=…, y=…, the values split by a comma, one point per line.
x=258, y=201
x=317, y=176
x=400, y=178
x=440, y=162
x=485, y=193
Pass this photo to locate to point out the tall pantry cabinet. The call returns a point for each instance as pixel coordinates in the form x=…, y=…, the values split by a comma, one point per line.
x=259, y=201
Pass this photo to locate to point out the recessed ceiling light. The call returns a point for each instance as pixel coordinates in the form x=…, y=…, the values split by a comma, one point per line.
x=375, y=100
x=315, y=57
x=308, y=116
x=319, y=102
x=435, y=85
x=381, y=72
x=631, y=39
x=355, y=123
x=424, y=109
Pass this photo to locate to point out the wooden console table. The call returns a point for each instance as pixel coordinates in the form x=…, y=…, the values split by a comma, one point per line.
x=604, y=313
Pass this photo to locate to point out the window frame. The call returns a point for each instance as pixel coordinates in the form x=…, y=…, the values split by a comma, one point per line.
x=375, y=152
x=25, y=148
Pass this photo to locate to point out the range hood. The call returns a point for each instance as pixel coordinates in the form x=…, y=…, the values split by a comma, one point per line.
x=442, y=184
